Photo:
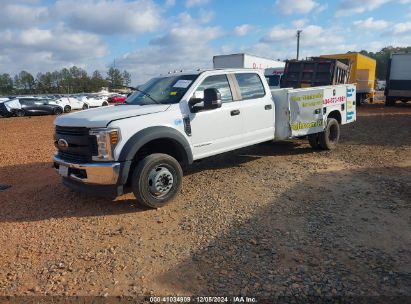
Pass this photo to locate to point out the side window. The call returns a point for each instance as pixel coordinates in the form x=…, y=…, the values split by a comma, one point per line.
x=250, y=85
x=273, y=80
x=25, y=101
x=219, y=82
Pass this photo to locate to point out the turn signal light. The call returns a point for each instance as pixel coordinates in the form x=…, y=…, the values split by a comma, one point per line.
x=113, y=137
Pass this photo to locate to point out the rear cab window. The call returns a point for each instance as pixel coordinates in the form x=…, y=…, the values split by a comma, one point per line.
x=250, y=85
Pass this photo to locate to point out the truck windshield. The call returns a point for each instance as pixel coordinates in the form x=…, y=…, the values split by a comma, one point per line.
x=162, y=90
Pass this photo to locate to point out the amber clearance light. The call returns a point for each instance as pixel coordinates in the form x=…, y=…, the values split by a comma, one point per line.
x=114, y=137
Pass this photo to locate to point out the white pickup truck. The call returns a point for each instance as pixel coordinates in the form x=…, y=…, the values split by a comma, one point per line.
x=174, y=120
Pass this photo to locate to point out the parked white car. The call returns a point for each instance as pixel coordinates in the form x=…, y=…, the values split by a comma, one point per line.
x=94, y=101
x=69, y=103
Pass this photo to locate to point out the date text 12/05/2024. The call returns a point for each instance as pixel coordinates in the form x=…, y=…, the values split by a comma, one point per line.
x=202, y=299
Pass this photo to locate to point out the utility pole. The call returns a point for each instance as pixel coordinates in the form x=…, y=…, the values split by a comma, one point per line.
x=298, y=42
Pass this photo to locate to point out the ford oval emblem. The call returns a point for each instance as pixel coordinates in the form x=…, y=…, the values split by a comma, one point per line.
x=62, y=144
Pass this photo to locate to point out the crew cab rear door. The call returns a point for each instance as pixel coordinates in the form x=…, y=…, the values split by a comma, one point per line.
x=257, y=107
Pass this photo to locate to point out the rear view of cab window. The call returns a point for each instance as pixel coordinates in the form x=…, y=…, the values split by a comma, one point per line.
x=250, y=85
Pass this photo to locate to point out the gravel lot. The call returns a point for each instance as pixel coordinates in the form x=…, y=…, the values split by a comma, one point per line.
x=274, y=219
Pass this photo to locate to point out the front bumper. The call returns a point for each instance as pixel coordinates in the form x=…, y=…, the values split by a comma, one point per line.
x=90, y=173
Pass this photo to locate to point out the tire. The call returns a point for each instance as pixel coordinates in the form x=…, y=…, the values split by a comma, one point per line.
x=85, y=106
x=314, y=141
x=389, y=102
x=359, y=99
x=329, y=138
x=58, y=111
x=105, y=104
x=67, y=109
x=20, y=113
x=151, y=180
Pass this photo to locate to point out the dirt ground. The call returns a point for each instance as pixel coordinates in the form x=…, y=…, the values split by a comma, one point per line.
x=270, y=220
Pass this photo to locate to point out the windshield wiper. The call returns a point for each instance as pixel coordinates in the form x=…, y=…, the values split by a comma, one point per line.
x=148, y=95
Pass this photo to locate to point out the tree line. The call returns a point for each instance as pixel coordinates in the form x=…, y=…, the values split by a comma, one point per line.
x=76, y=80
x=66, y=81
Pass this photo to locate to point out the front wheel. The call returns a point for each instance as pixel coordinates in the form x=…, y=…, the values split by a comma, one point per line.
x=20, y=113
x=67, y=109
x=105, y=104
x=329, y=138
x=85, y=106
x=156, y=180
x=58, y=111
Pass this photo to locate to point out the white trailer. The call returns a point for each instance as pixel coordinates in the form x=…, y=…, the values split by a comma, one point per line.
x=398, y=85
x=273, y=69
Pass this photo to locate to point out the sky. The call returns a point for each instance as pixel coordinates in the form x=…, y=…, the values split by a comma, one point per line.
x=152, y=37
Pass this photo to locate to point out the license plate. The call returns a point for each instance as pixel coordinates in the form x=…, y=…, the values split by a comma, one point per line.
x=63, y=170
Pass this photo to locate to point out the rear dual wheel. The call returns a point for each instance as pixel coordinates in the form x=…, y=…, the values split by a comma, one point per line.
x=328, y=139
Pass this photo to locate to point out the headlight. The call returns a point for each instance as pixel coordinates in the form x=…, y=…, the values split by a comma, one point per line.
x=107, y=139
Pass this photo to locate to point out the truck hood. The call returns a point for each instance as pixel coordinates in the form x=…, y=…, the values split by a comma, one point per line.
x=101, y=117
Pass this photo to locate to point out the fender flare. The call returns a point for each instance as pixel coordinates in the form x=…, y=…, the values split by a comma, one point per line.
x=144, y=136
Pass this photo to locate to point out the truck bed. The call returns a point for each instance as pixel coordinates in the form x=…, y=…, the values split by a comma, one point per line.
x=300, y=112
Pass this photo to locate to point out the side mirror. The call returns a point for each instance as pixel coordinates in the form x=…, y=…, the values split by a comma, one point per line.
x=212, y=99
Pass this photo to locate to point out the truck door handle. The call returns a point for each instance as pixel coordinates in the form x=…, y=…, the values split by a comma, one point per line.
x=235, y=112
x=268, y=107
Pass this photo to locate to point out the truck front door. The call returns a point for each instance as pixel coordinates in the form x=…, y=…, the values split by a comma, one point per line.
x=217, y=130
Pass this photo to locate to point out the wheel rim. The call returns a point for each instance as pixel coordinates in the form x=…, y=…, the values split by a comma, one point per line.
x=333, y=134
x=160, y=181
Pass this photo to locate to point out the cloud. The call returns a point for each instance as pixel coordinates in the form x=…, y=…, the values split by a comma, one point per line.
x=315, y=40
x=321, y=8
x=110, y=17
x=169, y=3
x=191, y=3
x=21, y=16
x=187, y=32
x=370, y=24
x=186, y=45
x=242, y=30
x=312, y=35
x=348, y=7
x=38, y=49
x=295, y=6
x=402, y=28
x=206, y=16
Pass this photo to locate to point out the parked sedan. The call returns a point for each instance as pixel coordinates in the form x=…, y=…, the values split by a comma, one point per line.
x=30, y=106
x=69, y=103
x=92, y=101
x=117, y=99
